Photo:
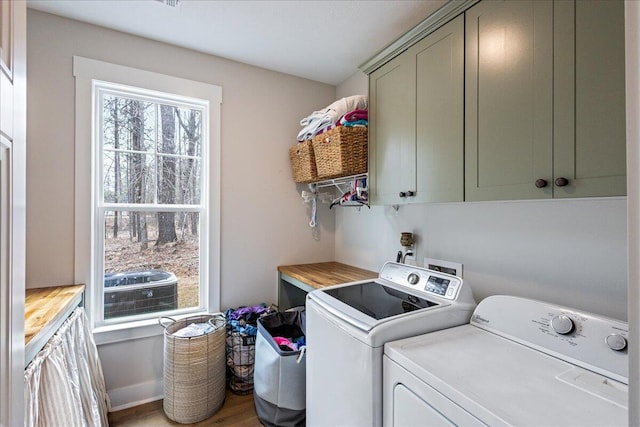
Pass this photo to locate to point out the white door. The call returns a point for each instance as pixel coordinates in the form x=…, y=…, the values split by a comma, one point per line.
x=12, y=209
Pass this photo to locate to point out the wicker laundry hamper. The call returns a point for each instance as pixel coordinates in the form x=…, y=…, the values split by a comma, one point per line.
x=194, y=369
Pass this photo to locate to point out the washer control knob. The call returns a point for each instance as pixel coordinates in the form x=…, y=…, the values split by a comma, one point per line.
x=413, y=278
x=616, y=342
x=562, y=324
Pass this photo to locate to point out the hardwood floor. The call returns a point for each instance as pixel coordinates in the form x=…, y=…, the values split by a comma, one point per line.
x=237, y=411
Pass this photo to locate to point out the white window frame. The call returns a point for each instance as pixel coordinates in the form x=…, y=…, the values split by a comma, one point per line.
x=101, y=89
x=91, y=75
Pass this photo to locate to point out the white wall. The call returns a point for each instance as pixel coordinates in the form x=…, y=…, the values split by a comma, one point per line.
x=571, y=252
x=357, y=84
x=264, y=222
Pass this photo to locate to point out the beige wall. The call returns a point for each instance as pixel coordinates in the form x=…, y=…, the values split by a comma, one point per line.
x=263, y=220
x=357, y=84
x=264, y=223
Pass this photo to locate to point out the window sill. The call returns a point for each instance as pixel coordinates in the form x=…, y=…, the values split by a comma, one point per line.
x=130, y=331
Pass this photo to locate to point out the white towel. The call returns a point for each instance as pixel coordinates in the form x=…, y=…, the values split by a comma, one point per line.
x=330, y=115
x=313, y=123
x=194, y=330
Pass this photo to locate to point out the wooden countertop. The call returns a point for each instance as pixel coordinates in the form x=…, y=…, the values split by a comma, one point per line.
x=44, y=312
x=325, y=274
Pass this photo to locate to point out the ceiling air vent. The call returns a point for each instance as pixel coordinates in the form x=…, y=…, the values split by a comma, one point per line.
x=172, y=3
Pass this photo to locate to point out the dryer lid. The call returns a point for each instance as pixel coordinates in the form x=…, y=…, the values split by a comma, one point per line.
x=504, y=383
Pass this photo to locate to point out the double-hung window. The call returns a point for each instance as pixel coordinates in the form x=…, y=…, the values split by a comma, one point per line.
x=149, y=189
x=151, y=210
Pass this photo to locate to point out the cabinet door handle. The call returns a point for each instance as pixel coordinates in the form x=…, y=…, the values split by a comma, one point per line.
x=541, y=183
x=402, y=194
x=411, y=193
x=561, y=182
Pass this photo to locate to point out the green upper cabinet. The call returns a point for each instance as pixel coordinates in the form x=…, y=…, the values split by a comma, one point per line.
x=589, y=98
x=511, y=100
x=438, y=67
x=417, y=124
x=391, y=131
x=545, y=108
x=509, y=103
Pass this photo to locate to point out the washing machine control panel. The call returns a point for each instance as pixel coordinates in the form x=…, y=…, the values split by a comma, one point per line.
x=595, y=342
x=416, y=278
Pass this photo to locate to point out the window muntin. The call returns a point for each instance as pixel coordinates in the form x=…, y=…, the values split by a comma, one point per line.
x=150, y=206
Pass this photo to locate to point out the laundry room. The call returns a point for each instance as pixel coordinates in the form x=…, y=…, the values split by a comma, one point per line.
x=495, y=178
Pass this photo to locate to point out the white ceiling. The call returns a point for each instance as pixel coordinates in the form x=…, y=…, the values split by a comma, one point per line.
x=322, y=40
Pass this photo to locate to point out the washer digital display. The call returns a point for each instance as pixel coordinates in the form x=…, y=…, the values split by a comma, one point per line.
x=437, y=285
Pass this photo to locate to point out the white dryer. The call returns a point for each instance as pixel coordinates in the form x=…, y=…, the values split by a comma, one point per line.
x=348, y=325
x=519, y=362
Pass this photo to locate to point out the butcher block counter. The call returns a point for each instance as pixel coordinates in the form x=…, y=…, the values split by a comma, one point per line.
x=44, y=312
x=295, y=281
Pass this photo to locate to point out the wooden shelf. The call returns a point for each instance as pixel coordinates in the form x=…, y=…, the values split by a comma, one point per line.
x=45, y=311
x=295, y=281
x=323, y=274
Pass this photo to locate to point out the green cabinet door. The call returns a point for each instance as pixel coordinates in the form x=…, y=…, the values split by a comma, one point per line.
x=509, y=105
x=589, y=98
x=416, y=133
x=438, y=70
x=391, y=132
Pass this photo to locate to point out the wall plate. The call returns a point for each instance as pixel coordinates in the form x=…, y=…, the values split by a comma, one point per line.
x=449, y=267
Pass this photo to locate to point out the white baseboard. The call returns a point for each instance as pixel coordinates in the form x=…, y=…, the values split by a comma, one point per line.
x=134, y=395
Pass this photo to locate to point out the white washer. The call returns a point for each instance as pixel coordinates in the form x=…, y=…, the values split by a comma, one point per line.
x=348, y=325
x=519, y=362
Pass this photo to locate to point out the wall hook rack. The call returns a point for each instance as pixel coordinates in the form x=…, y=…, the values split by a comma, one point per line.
x=353, y=191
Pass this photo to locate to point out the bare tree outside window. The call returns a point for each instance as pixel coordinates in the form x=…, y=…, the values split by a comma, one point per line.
x=167, y=175
x=152, y=170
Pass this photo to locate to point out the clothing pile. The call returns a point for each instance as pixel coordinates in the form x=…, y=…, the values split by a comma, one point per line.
x=358, y=193
x=241, y=344
x=290, y=344
x=348, y=111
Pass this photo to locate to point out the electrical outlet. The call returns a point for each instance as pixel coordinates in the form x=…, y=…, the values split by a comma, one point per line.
x=410, y=259
x=453, y=268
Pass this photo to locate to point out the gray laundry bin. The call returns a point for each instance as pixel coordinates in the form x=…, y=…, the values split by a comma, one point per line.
x=279, y=375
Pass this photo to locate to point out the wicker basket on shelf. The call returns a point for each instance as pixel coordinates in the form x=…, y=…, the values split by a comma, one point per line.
x=342, y=151
x=303, y=162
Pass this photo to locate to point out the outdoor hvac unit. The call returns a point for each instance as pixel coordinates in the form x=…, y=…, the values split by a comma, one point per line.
x=137, y=292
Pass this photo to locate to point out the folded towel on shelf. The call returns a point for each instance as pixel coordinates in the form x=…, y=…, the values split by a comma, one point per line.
x=349, y=103
x=357, y=123
x=329, y=116
x=355, y=115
